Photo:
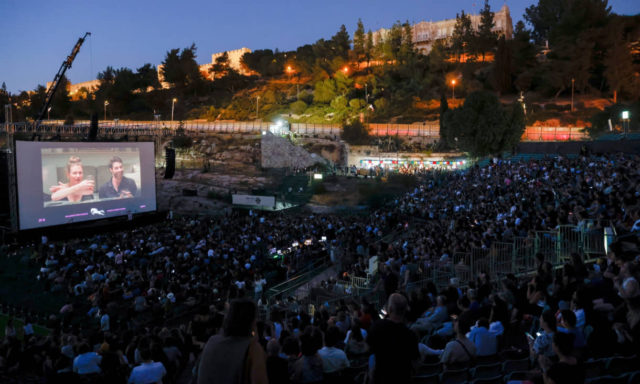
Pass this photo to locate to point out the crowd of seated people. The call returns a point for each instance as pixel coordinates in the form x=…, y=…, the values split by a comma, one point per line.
x=124, y=288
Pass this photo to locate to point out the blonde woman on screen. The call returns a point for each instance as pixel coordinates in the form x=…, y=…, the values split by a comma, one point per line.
x=77, y=189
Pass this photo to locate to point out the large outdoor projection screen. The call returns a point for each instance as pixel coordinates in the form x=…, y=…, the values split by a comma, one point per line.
x=63, y=183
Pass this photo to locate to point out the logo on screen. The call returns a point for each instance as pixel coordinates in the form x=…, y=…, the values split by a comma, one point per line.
x=97, y=212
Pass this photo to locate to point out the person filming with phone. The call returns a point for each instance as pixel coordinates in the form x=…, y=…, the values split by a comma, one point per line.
x=118, y=185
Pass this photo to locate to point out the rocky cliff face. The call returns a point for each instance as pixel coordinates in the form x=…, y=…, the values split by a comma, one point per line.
x=278, y=152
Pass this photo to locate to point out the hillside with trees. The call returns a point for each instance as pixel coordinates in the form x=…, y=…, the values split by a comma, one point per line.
x=564, y=47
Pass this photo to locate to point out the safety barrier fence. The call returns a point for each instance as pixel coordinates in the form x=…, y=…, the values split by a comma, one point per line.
x=554, y=134
x=428, y=129
x=303, y=277
x=518, y=257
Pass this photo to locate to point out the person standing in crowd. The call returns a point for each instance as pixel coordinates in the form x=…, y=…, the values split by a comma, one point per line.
x=235, y=356
x=393, y=345
x=566, y=370
x=334, y=360
x=308, y=369
x=148, y=371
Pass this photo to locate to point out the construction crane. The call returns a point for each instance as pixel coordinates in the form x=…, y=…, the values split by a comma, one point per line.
x=56, y=81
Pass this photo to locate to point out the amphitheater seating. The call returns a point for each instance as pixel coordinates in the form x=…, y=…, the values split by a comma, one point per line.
x=516, y=376
x=486, y=371
x=595, y=368
x=515, y=365
x=429, y=369
x=489, y=380
x=621, y=379
x=615, y=369
x=634, y=377
x=454, y=376
x=426, y=379
x=619, y=365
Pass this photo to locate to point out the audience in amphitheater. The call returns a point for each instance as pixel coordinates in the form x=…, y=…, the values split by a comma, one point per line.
x=169, y=301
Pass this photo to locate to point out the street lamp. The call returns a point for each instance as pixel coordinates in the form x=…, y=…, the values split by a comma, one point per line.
x=173, y=104
x=48, y=113
x=106, y=102
x=625, y=122
x=366, y=93
x=453, y=89
x=573, y=81
x=345, y=70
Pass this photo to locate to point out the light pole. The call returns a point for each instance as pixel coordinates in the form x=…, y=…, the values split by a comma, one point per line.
x=48, y=113
x=625, y=122
x=173, y=104
x=257, y=107
x=453, y=89
x=573, y=81
x=106, y=102
x=366, y=93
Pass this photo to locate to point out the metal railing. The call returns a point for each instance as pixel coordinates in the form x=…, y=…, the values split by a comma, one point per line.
x=292, y=284
x=428, y=129
x=518, y=257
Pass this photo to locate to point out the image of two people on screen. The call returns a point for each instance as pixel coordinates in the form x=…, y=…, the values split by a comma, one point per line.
x=79, y=189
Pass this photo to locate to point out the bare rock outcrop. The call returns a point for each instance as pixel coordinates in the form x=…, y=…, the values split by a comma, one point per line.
x=278, y=152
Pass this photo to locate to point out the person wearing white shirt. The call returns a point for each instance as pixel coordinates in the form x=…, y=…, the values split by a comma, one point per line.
x=86, y=362
x=148, y=372
x=485, y=341
x=333, y=359
x=105, y=322
x=259, y=284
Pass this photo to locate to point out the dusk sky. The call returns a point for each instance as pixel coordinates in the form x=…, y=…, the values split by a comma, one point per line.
x=37, y=35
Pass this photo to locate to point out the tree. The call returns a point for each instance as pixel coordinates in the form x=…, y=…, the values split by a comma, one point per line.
x=503, y=67
x=221, y=66
x=393, y=42
x=298, y=107
x=482, y=126
x=462, y=34
x=406, y=48
x=181, y=69
x=543, y=17
x=107, y=76
x=147, y=76
x=265, y=62
x=444, y=107
x=4, y=99
x=324, y=91
x=368, y=48
x=359, y=42
x=343, y=83
x=61, y=101
x=341, y=43
x=619, y=71
x=437, y=58
x=355, y=133
x=524, y=52
x=556, y=19
x=486, y=38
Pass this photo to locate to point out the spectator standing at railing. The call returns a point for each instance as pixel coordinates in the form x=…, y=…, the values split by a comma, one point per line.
x=234, y=356
x=393, y=345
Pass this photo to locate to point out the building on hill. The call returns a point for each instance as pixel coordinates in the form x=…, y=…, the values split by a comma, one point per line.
x=80, y=90
x=425, y=33
x=235, y=62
